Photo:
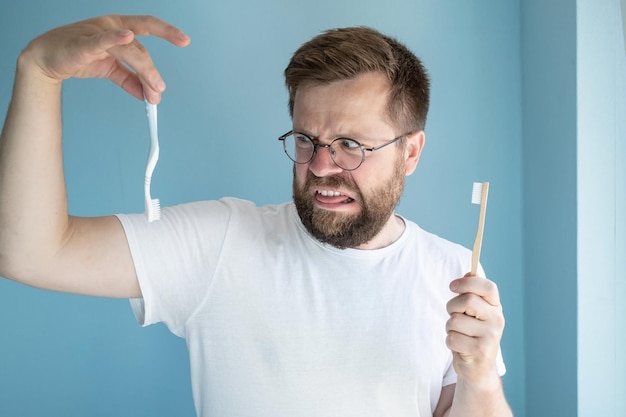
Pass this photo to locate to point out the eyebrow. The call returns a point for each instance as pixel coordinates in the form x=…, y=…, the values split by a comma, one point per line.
x=362, y=141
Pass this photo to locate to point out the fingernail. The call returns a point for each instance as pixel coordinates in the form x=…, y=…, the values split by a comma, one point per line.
x=160, y=85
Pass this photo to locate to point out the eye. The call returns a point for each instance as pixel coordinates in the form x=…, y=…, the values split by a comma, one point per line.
x=348, y=145
x=301, y=140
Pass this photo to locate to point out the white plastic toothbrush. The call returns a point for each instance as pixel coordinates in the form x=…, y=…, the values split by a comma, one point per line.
x=152, y=205
x=480, y=191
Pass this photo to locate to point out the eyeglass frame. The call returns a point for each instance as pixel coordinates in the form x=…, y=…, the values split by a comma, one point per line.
x=329, y=145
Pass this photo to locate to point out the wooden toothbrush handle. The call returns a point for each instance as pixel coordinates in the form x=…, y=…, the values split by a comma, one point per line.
x=481, y=226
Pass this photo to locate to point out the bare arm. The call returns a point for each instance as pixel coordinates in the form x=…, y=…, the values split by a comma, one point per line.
x=40, y=243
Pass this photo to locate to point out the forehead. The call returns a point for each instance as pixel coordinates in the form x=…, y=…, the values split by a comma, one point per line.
x=342, y=106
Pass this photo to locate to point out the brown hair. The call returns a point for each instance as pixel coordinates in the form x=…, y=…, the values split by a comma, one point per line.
x=340, y=54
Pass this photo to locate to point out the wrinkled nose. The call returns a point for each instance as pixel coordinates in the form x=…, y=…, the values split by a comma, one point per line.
x=322, y=163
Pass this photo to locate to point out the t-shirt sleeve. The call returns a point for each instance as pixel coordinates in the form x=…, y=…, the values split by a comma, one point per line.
x=175, y=259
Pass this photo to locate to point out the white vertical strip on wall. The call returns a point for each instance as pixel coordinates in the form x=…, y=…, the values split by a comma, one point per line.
x=620, y=222
x=601, y=192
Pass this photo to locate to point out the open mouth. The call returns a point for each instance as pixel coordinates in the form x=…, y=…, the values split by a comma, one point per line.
x=332, y=197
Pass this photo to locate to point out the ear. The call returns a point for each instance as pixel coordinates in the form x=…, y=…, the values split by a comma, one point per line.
x=414, y=143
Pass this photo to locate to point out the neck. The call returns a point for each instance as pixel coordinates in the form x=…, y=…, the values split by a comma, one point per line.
x=391, y=231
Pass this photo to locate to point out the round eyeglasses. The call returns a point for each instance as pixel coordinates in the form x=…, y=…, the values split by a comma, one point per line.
x=347, y=154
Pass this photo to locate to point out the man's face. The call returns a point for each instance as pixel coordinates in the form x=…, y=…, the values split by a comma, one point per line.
x=349, y=208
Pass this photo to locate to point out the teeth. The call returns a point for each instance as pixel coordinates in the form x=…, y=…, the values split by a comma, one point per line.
x=329, y=193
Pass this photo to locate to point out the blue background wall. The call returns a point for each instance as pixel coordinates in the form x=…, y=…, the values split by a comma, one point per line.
x=225, y=106
x=574, y=208
x=549, y=184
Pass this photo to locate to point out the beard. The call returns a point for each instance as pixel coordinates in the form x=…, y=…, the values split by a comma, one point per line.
x=343, y=230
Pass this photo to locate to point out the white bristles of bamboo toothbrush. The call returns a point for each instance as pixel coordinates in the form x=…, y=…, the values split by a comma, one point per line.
x=480, y=191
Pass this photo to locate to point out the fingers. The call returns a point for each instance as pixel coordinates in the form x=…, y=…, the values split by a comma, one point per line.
x=134, y=55
x=106, y=47
x=478, y=298
x=470, y=349
x=129, y=81
x=467, y=325
x=474, y=344
x=102, y=41
x=482, y=287
x=119, y=57
x=472, y=328
x=151, y=25
x=476, y=324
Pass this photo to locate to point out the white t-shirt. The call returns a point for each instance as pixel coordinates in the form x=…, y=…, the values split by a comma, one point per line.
x=279, y=324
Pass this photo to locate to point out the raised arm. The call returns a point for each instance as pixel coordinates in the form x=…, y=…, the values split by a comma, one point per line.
x=40, y=243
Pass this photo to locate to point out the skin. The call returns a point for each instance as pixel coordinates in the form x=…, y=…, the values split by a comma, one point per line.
x=53, y=250
x=49, y=248
x=355, y=109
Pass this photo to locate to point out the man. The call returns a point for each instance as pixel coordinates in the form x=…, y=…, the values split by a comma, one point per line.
x=332, y=305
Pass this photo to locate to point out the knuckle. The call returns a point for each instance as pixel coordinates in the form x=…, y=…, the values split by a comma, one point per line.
x=493, y=334
x=451, y=324
x=451, y=340
x=108, y=21
x=450, y=306
x=491, y=287
x=151, y=20
x=138, y=46
x=471, y=298
x=500, y=322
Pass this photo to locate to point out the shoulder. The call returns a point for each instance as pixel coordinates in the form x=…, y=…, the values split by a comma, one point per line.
x=247, y=211
x=433, y=249
x=222, y=210
x=432, y=242
x=238, y=217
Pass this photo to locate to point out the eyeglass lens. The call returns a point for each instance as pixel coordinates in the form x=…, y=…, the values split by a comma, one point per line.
x=346, y=153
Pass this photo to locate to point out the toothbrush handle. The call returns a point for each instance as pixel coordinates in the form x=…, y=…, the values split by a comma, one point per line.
x=481, y=226
x=153, y=155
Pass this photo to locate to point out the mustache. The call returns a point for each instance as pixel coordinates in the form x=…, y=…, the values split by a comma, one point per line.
x=333, y=181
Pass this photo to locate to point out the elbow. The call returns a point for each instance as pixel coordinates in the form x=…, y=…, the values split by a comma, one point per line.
x=18, y=267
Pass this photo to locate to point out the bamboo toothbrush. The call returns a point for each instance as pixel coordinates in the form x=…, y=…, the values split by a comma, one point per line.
x=480, y=192
x=152, y=205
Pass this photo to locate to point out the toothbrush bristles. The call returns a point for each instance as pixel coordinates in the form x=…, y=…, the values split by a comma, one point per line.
x=154, y=211
x=477, y=192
